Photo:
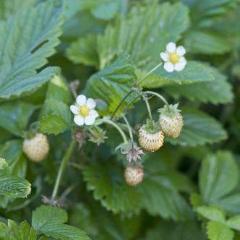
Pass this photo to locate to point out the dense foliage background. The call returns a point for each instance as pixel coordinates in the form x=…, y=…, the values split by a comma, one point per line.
x=101, y=47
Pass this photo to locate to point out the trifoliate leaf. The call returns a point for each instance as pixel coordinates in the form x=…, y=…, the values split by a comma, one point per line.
x=219, y=231
x=219, y=176
x=157, y=194
x=50, y=222
x=112, y=83
x=12, y=231
x=24, y=52
x=211, y=213
x=199, y=129
x=14, y=116
x=84, y=51
x=216, y=91
x=55, y=116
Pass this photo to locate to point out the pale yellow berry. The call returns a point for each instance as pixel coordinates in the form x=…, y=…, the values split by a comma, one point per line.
x=150, y=142
x=133, y=175
x=36, y=148
x=171, y=126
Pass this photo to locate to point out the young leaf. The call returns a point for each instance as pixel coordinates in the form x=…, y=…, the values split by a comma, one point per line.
x=219, y=176
x=199, y=129
x=14, y=116
x=216, y=91
x=234, y=222
x=26, y=51
x=219, y=231
x=50, y=221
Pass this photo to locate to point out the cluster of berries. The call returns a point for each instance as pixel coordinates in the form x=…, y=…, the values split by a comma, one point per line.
x=151, y=138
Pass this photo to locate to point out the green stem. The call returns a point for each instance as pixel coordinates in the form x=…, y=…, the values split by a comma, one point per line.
x=62, y=167
x=157, y=95
x=129, y=128
x=148, y=107
x=118, y=128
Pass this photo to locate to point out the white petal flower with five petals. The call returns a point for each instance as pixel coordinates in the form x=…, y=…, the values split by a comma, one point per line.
x=174, y=58
x=84, y=111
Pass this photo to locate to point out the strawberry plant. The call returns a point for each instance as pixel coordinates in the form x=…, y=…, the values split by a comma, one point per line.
x=119, y=119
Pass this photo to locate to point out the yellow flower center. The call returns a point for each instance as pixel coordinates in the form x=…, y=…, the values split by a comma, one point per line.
x=174, y=58
x=84, y=110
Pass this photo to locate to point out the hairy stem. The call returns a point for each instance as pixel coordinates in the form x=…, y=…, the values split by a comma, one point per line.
x=62, y=167
x=157, y=95
x=129, y=128
x=148, y=107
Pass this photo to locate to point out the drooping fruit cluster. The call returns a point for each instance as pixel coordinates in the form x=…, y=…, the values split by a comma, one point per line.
x=36, y=148
x=171, y=120
x=133, y=174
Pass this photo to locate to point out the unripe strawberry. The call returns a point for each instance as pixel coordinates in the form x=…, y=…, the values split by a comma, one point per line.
x=171, y=120
x=133, y=175
x=36, y=148
x=150, y=139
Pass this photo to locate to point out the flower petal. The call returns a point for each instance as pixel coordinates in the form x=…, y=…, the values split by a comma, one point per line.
x=91, y=103
x=183, y=60
x=169, y=67
x=79, y=120
x=93, y=113
x=164, y=56
x=181, y=50
x=81, y=100
x=89, y=120
x=74, y=109
x=171, y=47
x=179, y=66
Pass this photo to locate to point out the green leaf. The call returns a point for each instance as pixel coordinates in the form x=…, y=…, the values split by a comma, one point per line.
x=234, y=222
x=143, y=33
x=194, y=72
x=219, y=231
x=55, y=116
x=112, y=83
x=14, y=116
x=12, y=231
x=157, y=194
x=218, y=177
x=50, y=222
x=206, y=42
x=216, y=91
x=25, y=52
x=211, y=213
x=84, y=51
x=199, y=129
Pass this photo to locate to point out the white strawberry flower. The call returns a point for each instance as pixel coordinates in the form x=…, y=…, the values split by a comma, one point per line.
x=84, y=111
x=174, y=58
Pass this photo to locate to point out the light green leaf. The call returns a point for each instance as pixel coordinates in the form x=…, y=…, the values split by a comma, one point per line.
x=112, y=83
x=12, y=231
x=14, y=116
x=26, y=51
x=84, y=51
x=216, y=91
x=55, y=116
x=199, y=129
x=206, y=42
x=234, y=222
x=194, y=72
x=211, y=213
x=50, y=221
x=219, y=231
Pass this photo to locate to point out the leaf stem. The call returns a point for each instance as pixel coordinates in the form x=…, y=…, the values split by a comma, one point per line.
x=157, y=95
x=62, y=167
x=109, y=121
